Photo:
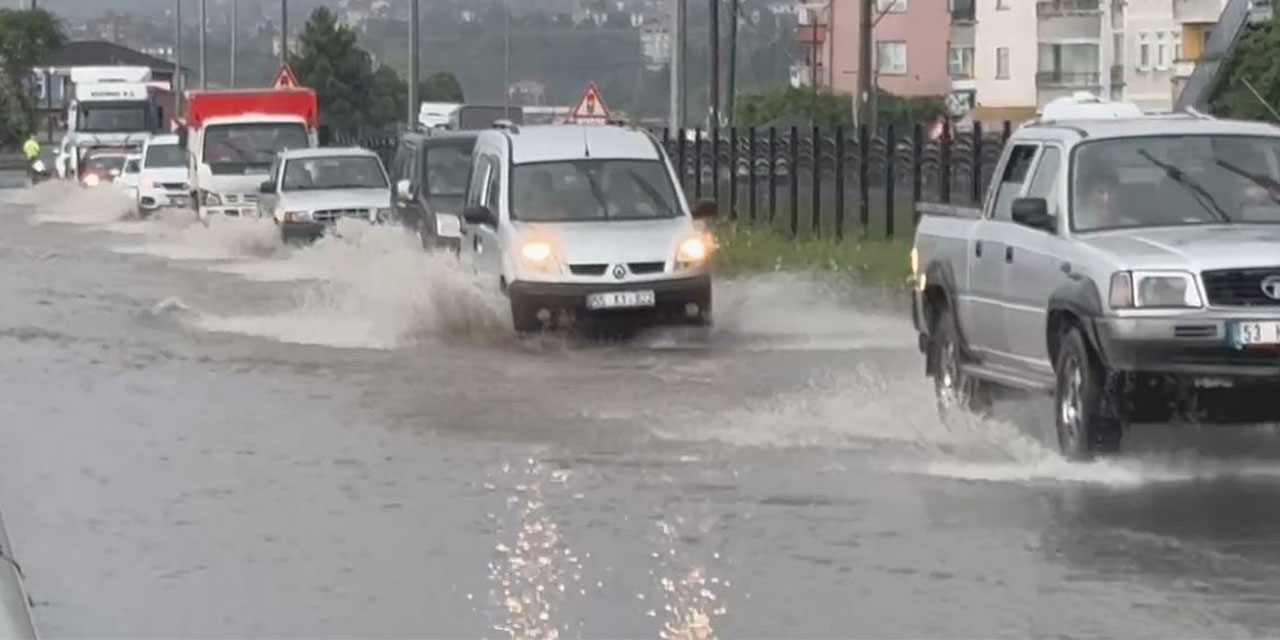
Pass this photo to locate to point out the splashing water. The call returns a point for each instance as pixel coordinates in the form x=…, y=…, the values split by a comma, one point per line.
x=376, y=289
x=690, y=600
x=58, y=202
x=222, y=239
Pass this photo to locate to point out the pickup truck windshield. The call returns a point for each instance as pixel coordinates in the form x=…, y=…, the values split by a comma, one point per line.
x=334, y=172
x=235, y=148
x=113, y=118
x=591, y=190
x=1176, y=180
x=161, y=156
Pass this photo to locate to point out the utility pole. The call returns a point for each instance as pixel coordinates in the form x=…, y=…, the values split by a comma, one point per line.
x=204, y=59
x=675, y=33
x=733, y=58
x=179, y=82
x=413, y=63
x=506, y=59
x=235, y=26
x=284, y=32
x=682, y=44
x=715, y=64
x=864, y=61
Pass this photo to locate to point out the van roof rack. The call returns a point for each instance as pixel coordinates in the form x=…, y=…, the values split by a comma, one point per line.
x=503, y=123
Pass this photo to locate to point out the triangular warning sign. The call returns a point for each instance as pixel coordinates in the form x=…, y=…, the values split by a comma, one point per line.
x=285, y=78
x=591, y=107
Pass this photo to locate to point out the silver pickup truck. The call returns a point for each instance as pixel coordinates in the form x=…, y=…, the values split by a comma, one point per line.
x=1129, y=265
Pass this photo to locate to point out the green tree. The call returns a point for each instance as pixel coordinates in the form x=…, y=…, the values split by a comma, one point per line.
x=14, y=123
x=352, y=96
x=441, y=86
x=390, y=97
x=26, y=37
x=1256, y=61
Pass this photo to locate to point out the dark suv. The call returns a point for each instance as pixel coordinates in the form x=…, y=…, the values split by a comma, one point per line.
x=431, y=171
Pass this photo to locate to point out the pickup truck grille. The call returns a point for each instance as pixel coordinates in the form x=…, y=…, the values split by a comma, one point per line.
x=173, y=186
x=326, y=215
x=1239, y=287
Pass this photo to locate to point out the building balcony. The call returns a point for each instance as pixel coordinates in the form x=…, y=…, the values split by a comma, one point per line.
x=1069, y=79
x=1060, y=8
x=1196, y=11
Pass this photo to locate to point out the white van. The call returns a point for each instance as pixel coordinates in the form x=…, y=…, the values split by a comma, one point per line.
x=588, y=220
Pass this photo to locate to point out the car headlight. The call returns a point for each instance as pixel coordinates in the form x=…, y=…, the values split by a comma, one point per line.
x=91, y=180
x=1154, y=290
x=694, y=251
x=539, y=256
x=297, y=216
x=210, y=199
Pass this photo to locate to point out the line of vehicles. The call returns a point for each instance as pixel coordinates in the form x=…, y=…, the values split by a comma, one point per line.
x=568, y=221
x=1126, y=264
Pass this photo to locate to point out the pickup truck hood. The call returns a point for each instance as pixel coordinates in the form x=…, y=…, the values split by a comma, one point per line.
x=165, y=175
x=335, y=199
x=612, y=242
x=1194, y=248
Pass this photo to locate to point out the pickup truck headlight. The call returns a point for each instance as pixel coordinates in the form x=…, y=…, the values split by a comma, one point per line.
x=383, y=214
x=1154, y=290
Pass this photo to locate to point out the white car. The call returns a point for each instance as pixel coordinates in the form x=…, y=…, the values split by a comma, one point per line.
x=585, y=219
x=309, y=190
x=163, y=182
x=128, y=178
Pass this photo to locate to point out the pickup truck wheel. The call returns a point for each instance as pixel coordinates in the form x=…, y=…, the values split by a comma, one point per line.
x=955, y=391
x=1084, y=425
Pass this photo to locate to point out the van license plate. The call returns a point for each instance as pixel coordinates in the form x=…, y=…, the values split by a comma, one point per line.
x=1256, y=333
x=620, y=299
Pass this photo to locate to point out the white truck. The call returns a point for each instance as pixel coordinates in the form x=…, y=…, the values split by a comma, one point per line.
x=232, y=138
x=111, y=107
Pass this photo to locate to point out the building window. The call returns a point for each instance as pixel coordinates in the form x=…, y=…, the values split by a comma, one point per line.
x=961, y=62
x=1144, y=52
x=891, y=6
x=892, y=58
x=1162, y=52
x=1002, y=63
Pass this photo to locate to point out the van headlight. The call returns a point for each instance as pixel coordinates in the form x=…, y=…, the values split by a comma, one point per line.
x=693, y=251
x=539, y=257
x=1154, y=290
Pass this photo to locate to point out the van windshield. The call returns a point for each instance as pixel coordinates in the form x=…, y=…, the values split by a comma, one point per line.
x=1173, y=180
x=590, y=190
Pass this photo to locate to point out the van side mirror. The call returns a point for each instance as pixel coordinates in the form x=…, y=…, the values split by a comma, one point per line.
x=267, y=187
x=705, y=210
x=479, y=215
x=404, y=190
x=1034, y=213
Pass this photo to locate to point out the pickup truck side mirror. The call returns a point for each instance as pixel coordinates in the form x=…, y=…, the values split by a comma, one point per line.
x=479, y=215
x=704, y=210
x=267, y=187
x=403, y=190
x=1034, y=213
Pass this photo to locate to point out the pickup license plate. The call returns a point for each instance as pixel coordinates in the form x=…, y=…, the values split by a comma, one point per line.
x=1256, y=333
x=620, y=300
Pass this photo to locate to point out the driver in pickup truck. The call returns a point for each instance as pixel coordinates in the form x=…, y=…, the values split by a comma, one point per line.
x=1099, y=206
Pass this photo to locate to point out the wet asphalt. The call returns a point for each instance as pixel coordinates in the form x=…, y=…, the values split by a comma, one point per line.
x=208, y=435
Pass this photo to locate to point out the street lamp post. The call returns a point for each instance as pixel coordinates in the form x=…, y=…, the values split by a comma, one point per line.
x=413, y=63
x=204, y=60
x=235, y=26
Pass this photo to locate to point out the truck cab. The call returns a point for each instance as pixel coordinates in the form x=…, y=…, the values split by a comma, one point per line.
x=1124, y=263
x=232, y=138
x=111, y=107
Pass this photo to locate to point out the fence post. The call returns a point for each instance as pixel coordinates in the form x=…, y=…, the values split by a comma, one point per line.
x=815, y=209
x=840, y=182
x=681, y=169
x=917, y=180
x=697, y=164
x=944, y=162
x=773, y=173
x=715, y=164
x=890, y=172
x=864, y=189
x=794, y=179
x=751, y=174
x=976, y=179
x=733, y=173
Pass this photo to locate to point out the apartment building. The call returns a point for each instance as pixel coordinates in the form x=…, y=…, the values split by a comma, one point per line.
x=1008, y=58
x=910, y=51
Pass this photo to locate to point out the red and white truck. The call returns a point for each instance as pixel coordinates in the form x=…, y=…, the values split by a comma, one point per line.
x=232, y=138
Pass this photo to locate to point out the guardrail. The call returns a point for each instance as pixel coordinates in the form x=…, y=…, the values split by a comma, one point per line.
x=820, y=182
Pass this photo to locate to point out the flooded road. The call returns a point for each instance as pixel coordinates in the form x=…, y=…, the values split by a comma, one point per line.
x=208, y=435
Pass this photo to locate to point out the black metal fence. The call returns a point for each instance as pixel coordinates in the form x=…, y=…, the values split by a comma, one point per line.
x=811, y=182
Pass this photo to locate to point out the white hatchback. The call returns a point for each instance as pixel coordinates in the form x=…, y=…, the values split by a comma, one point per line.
x=588, y=221
x=163, y=182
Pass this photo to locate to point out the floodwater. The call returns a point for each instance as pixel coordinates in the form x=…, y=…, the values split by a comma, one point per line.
x=206, y=434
